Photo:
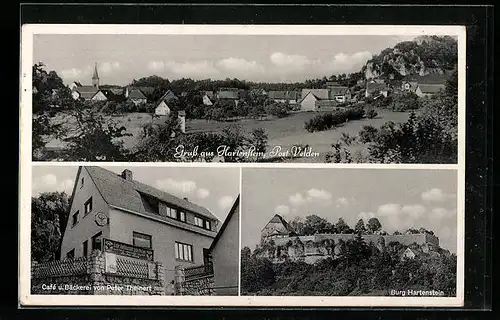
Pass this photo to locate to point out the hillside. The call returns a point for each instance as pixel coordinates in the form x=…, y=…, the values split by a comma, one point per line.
x=422, y=56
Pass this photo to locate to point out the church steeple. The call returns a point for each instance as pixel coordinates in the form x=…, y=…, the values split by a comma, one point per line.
x=95, y=77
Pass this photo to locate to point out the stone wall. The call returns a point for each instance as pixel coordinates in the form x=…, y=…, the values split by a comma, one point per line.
x=203, y=285
x=311, y=249
x=50, y=278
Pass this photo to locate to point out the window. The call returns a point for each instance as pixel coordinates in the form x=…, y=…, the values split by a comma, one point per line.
x=183, y=251
x=97, y=241
x=88, y=206
x=198, y=222
x=182, y=216
x=141, y=240
x=75, y=218
x=82, y=182
x=207, y=225
x=85, y=248
x=70, y=254
x=171, y=212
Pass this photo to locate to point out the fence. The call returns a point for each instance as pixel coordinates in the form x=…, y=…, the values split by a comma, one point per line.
x=92, y=275
x=199, y=271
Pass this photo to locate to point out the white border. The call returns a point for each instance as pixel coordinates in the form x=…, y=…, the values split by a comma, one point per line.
x=26, y=299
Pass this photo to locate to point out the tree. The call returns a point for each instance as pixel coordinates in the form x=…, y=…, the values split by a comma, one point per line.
x=95, y=138
x=374, y=225
x=49, y=212
x=256, y=274
x=297, y=224
x=315, y=224
x=360, y=227
x=341, y=226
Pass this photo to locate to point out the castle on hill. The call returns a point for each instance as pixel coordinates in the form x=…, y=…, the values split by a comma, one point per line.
x=282, y=242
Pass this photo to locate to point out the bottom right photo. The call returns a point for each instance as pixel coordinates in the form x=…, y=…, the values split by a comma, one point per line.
x=349, y=232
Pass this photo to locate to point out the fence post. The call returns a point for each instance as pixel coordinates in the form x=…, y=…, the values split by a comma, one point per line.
x=180, y=278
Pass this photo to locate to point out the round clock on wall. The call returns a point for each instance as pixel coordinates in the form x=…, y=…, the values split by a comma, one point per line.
x=101, y=219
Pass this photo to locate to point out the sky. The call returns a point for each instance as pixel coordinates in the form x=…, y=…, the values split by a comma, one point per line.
x=213, y=188
x=400, y=199
x=271, y=58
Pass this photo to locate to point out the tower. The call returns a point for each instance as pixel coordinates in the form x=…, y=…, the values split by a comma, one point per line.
x=95, y=77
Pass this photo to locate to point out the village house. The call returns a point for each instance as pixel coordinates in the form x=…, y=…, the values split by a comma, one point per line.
x=376, y=89
x=284, y=96
x=428, y=90
x=410, y=86
x=136, y=96
x=311, y=96
x=86, y=93
x=162, y=106
x=224, y=253
x=74, y=85
x=114, y=208
x=340, y=94
x=208, y=98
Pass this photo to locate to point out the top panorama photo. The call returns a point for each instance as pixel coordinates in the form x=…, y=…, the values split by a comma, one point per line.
x=245, y=98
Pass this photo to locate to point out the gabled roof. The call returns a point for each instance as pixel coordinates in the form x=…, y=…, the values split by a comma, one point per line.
x=431, y=88
x=283, y=95
x=87, y=92
x=374, y=86
x=279, y=219
x=126, y=194
x=321, y=94
x=78, y=84
x=228, y=94
x=234, y=209
x=413, y=85
x=338, y=91
x=136, y=94
x=168, y=96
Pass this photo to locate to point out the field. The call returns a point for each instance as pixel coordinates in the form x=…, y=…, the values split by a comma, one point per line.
x=283, y=132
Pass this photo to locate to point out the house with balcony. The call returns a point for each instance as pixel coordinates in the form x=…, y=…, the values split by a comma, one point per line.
x=112, y=207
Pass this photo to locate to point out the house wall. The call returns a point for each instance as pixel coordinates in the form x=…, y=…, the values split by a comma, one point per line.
x=138, y=101
x=225, y=258
x=75, y=95
x=206, y=101
x=86, y=228
x=309, y=103
x=271, y=228
x=99, y=96
x=162, y=109
x=163, y=238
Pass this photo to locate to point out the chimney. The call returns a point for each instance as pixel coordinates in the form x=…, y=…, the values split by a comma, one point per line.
x=127, y=175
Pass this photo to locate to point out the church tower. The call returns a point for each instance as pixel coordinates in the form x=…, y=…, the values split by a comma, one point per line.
x=95, y=77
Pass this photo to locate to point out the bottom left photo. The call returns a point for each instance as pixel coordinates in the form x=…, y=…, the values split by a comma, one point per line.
x=135, y=230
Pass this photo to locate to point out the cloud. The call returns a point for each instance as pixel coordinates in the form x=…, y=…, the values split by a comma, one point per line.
x=366, y=215
x=342, y=202
x=156, y=65
x=202, y=193
x=282, y=209
x=72, y=73
x=176, y=186
x=342, y=62
x=240, y=65
x=415, y=210
x=195, y=68
x=292, y=62
x=108, y=67
x=436, y=195
x=50, y=183
x=311, y=195
x=225, y=202
x=437, y=215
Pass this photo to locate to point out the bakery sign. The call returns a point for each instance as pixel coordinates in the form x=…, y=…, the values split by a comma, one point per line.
x=127, y=250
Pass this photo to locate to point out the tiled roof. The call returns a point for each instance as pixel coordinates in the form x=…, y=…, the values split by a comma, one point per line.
x=168, y=96
x=86, y=92
x=279, y=219
x=373, y=86
x=136, y=94
x=126, y=194
x=431, y=88
x=321, y=94
x=283, y=95
x=228, y=94
x=337, y=91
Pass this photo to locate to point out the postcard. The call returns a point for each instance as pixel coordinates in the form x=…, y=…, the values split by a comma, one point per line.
x=242, y=165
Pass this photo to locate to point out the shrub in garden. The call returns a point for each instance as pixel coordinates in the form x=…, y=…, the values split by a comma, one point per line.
x=328, y=121
x=371, y=113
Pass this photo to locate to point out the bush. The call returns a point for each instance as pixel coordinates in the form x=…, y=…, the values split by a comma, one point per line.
x=405, y=102
x=330, y=120
x=279, y=110
x=371, y=113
